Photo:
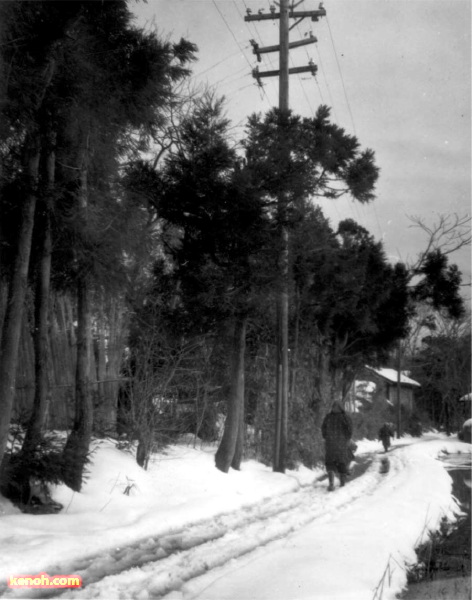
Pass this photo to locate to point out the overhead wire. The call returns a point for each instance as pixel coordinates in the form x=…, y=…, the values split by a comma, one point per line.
x=328, y=87
x=236, y=40
x=242, y=49
x=334, y=204
x=357, y=209
x=262, y=87
x=269, y=60
x=232, y=34
x=333, y=108
x=340, y=74
x=309, y=58
x=235, y=75
x=302, y=88
x=213, y=66
x=314, y=77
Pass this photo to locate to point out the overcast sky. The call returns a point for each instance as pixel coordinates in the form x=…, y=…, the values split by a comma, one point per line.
x=397, y=73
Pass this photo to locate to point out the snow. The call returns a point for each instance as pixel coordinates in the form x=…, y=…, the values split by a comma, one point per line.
x=185, y=530
x=392, y=376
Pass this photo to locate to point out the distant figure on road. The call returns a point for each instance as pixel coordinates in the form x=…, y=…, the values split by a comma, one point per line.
x=465, y=434
x=337, y=431
x=386, y=432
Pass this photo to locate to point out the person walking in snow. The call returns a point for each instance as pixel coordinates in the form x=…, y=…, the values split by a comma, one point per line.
x=337, y=431
x=385, y=433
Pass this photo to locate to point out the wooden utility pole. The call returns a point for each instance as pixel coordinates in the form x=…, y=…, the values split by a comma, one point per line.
x=282, y=374
x=281, y=402
x=399, y=398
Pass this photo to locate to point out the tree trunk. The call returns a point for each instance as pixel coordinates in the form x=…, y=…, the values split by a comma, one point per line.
x=77, y=446
x=117, y=331
x=229, y=453
x=40, y=338
x=239, y=448
x=63, y=352
x=99, y=344
x=16, y=296
x=4, y=286
x=109, y=342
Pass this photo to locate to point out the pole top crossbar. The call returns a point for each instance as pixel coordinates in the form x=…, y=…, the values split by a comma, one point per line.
x=293, y=14
x=309, y=68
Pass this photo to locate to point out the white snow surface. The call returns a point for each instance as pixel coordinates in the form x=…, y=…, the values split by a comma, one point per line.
x=392, y=376
x=184, y=530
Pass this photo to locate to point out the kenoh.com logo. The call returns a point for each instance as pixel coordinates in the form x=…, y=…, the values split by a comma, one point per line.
x=43, y=580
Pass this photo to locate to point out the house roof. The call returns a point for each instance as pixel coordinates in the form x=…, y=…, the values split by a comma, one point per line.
x=391, y=375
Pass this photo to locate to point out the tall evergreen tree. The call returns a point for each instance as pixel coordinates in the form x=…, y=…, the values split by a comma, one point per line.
x=207, y=194
x=31, y=58
x=294, y=160
x=100, y=91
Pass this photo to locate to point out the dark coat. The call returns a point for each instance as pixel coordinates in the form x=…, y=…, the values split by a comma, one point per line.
x=386, y=432
x=337, y=431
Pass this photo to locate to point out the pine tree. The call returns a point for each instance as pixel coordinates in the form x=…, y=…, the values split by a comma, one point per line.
x=294, y=160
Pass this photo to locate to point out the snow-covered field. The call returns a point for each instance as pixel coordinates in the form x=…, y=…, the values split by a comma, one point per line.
x=184, y=530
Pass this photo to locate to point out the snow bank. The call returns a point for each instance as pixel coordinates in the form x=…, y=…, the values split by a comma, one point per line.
x=181, y=486
x=188, y=530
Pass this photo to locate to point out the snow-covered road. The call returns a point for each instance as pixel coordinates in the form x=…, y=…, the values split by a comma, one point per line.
x=252, y=534
x=161, y=565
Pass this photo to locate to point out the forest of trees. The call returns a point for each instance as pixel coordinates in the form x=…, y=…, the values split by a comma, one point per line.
x=139, y=248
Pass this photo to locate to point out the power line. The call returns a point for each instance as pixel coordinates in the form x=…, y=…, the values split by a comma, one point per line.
x=308, y=58
x=216, y=64
x=260, y=40
x=235, y=38
x=302, y=86
x=236, y=75
x=232, y=34
x=355, y=207
x=340, y=74
x=303, y=89
x=359, y=210
x=327, y=85
x=319, y=90
x=322, y=70
x=244, y=87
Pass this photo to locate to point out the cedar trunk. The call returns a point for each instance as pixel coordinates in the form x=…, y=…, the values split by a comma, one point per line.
x=40, y=338
x=77, y=446
x=229, y=453
x=16, y=297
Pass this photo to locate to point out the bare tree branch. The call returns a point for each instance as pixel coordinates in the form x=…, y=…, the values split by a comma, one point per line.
x=449, y=233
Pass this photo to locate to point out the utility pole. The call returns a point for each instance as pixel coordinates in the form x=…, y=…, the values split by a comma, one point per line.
x=281, y=402
x=399, y=376
x=282, y=374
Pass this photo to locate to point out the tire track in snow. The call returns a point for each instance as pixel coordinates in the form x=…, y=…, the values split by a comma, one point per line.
x=195, y=552
x=156, y=566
